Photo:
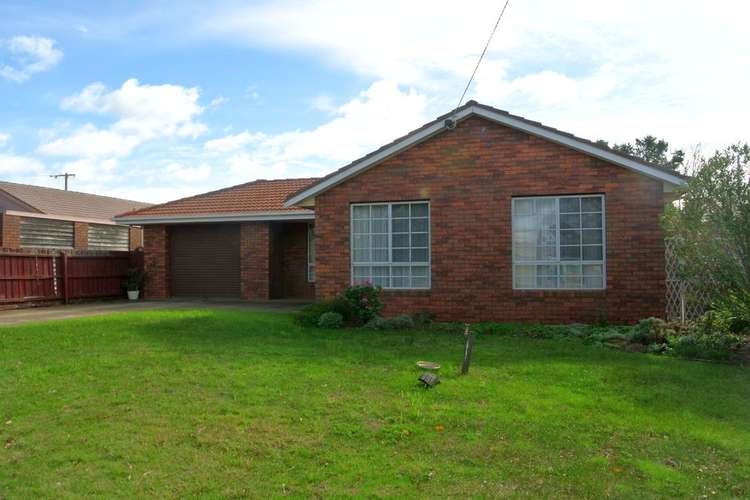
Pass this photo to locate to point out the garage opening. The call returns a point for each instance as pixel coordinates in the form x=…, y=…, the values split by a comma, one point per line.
x=204, y=260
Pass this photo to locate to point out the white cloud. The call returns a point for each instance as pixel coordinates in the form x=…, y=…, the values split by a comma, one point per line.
x=19, y=165
x=143, y=112
x=232, y=142
x=601, y=68
x=4, y=138
x=185, y=173
x=378, y=115
x=218, y=101
x=30, y=55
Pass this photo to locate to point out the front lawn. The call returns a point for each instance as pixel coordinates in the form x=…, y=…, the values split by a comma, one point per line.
x=234, y=403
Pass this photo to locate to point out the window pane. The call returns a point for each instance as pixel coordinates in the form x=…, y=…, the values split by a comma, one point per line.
x=400, y=240
x=523, y=207
x=568, y=205
x=361, y=241
x=592, y=252
x=362, y=255
x=592, y=204
x=400, y=255
x=546, y=270
x=400, y=225
x=592, y=236
x=548, y=237
x=361, y=226
x=546, y=282
x=525, y=223
x=546, y=253
x=419, y=210
x=419, y=255
x=545, y=205
x=379, y=211
x=361, y=212
x=380, y=226
x=570, y=253
x=591, y=220
x=419, y=240
x=525, y=276
x=592, y=270
x=400, y=210
x=570, y=237
x=420, y=225
x=420, y=271
x=570, y=221
x=379, y=255
x=593, y=282
x=380, y=241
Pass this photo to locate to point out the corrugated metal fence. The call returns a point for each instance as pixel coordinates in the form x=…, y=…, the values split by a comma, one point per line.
x=63, y=276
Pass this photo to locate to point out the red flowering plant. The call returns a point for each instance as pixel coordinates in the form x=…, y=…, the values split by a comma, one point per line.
x=365, y=300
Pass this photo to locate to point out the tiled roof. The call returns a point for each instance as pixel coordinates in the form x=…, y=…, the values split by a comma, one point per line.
x=256, y=196
x=52, y=201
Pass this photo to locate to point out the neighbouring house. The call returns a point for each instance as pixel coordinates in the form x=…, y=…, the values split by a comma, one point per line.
x=35, y=217
x=479, y=215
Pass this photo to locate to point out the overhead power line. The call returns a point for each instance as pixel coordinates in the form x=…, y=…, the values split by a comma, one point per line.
x=486, y=46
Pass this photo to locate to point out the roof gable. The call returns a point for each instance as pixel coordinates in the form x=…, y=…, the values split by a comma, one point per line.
x=472, y=108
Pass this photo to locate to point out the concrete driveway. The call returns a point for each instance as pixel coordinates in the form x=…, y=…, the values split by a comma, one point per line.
x=33, y=314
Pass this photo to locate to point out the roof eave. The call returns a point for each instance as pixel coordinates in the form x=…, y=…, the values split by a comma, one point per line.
x=492, y=115
x=224, y=217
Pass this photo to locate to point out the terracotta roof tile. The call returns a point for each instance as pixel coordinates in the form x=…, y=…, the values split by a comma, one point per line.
x=52, y=201
x=256, y=196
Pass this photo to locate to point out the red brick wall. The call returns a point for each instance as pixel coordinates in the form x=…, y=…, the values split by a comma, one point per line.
x=10, y=231
x=255, y=255
x=80, y=235
x=470, y=175
x=156, y=262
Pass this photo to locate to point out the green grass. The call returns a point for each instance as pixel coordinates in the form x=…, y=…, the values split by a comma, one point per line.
x=228, y=403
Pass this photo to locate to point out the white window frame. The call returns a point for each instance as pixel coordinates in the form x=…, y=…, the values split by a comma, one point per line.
x=559, y=262
x=311, y=246
x=390, y=264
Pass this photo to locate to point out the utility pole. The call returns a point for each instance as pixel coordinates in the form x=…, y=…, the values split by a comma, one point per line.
x=66, y=175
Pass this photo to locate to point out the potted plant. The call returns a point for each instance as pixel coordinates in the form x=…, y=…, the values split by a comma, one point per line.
x=134, y=282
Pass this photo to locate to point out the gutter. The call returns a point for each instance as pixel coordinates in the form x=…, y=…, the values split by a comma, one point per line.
x=227, y=217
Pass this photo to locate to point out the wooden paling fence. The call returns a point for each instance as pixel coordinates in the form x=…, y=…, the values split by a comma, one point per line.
x=63, y=276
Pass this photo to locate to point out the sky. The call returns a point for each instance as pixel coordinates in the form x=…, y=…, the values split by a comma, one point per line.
x=158, y=100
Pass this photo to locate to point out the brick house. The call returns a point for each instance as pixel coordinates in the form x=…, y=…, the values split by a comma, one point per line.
x=35, y=217
x=478, y=215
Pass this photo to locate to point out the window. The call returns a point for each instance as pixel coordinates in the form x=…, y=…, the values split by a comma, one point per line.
x=310, y=253
x=390, y=244
x=105, y=237
x=558, y=242
x=46, y=233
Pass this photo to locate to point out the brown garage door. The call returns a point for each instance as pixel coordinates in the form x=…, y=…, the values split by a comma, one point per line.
x=205, y=260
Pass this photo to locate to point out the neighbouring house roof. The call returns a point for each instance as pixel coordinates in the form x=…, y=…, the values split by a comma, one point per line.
x=670, y=178
x=58, y=203
x=256, y=200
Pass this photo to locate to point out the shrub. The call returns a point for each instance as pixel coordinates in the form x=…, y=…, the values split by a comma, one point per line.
x=650, y=331
x=403, y=322
x=365, y=301
x=377, y=323
x=733, y=310
x=331, y=320
x=423, y=319
x=341, y=305
x=310, y=314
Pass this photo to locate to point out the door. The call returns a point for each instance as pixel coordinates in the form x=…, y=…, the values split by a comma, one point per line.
x=204, y=260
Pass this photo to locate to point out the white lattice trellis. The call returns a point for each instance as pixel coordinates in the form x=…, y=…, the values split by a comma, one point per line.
x=685, y=300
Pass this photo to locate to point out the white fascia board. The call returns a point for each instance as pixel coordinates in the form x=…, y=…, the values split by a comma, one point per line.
x=88, y=220
x=496, y=117
x=236, y=217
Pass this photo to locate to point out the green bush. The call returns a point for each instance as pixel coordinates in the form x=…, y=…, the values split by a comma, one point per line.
x=733, y=310
x=423, y=319
x=309, y=315
x=365, y=301
x=650, y=331
x=403, y=322
x=715, y=347
x=341, y=305
x=332, y=320
x=377, y=323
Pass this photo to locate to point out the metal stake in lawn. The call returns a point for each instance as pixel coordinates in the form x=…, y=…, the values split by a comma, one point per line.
x=469, y=336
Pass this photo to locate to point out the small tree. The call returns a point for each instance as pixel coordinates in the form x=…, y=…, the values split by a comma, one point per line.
x=711, y=225
x=650, y=149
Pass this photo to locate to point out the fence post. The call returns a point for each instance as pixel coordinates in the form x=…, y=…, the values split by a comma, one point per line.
x=682, y=302
x=65, y=276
